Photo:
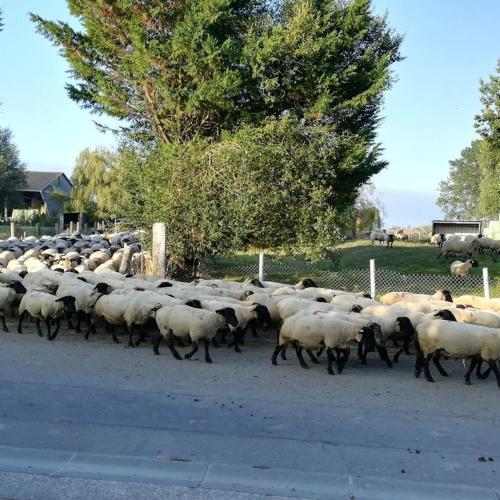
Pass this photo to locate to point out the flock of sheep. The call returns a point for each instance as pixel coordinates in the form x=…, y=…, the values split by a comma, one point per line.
x=51, y=279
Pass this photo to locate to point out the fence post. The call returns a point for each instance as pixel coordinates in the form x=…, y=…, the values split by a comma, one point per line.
x=56, y=227
x=486, y=283
x=159, y=249
x=372, y=278
x=12, y=229
x=37, y=229
x=261, y=267
x=71, y=227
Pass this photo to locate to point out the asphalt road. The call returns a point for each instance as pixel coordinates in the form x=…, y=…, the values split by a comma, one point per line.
x=98, y=420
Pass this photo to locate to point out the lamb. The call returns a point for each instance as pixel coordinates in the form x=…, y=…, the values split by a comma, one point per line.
x=459, y=341
x=459, y=268
x=456, y=247
x=197, y=324
x=8, y=295
x=314, y=331
x=44, y=306
x=393, y=297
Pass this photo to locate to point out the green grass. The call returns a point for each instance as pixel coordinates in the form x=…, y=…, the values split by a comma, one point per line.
x=405, y=258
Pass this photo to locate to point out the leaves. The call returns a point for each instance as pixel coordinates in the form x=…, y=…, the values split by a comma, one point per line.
x=12, y=175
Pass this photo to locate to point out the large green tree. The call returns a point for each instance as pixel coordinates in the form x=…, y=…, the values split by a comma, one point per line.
x=459, y=193
x=488, y=126
x=97, y=184
x=271, y=107
x=12, y=174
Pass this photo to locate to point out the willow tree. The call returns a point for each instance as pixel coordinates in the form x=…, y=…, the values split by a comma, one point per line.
x=260, y=115
x=97, y=184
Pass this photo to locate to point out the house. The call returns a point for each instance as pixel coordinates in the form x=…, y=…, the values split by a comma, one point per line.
x=35, y=194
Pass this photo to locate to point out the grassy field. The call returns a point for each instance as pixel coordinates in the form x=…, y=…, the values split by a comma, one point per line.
x=405, y=258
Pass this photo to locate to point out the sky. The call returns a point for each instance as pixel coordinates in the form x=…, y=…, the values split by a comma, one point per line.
x=428, y=113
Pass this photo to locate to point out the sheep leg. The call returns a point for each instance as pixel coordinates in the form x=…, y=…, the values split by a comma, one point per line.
x=4, y=324
x=485, y=374
x=298, y=351
x=437, y=363
x=215, y=343
x=253, y=330
x=58, y=325
x=395, y=358
x=223, y=337
x=319, y=352
x=283, y=353
x=170, y=337
x=494, y=368
x=192, y=352
x=419, y=360
x=467, y=375
x=382, y=352
x=330, y=357
x=427, y=372
x=91, y=328
x=20, y=324
x=208, y=359
x=276, y=351
x=78, y=321
x=360, y=352
x=113, y=334
x=130, y=329
x=395, y=343
x=312, y=357
x=342, y=360
x=38, y=329
x=156, y=344
x=69, y=318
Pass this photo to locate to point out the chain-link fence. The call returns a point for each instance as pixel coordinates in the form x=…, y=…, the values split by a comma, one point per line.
x=355, y=280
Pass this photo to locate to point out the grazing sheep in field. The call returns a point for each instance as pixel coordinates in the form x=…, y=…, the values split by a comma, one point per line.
x=457, y=247
x=459, y=268
x=382, y=236
x=438, y=239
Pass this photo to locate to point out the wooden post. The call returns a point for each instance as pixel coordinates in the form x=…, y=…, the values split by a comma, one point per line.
x=71, y=227
x=12, y=229
x=61, y=223
x=37, y=229
x=56, y=227
x=125, y=263
x=78, y=227
x=159, y=249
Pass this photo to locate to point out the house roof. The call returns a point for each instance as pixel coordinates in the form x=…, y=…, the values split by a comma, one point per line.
x=37, y=181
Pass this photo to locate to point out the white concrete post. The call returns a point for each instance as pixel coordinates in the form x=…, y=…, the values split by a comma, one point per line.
x=78, y=228
x=12, y=229
x=261, y=267
x=486, y=283
x=159, y=249
x=372, y=278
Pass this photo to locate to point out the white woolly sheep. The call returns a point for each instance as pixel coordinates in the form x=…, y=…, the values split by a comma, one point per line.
x=394, y=297
x=8, y=295
x=44, y=306
x=197, y=324
x=458, y=341
x=478, y=302
x=314, y=331
x=459, y=268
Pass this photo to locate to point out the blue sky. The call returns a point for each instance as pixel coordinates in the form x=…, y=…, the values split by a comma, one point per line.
x=449, y=45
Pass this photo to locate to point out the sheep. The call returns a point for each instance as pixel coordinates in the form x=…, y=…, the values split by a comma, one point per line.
x=314, y=331
x=5, y=257
x=382, y=236
x=126, y=310
x=459, y=341
x=86, y=296
x=459, y=268
x=456, y=247
x=437, y=239
x=485, y=243
x=44, y=306
x=394, y=297
x=352, y=300
x=8, y=276
x=476, y=317
x=8, y=295
x=478, y=302
x=197, y=324
x=246, y=314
